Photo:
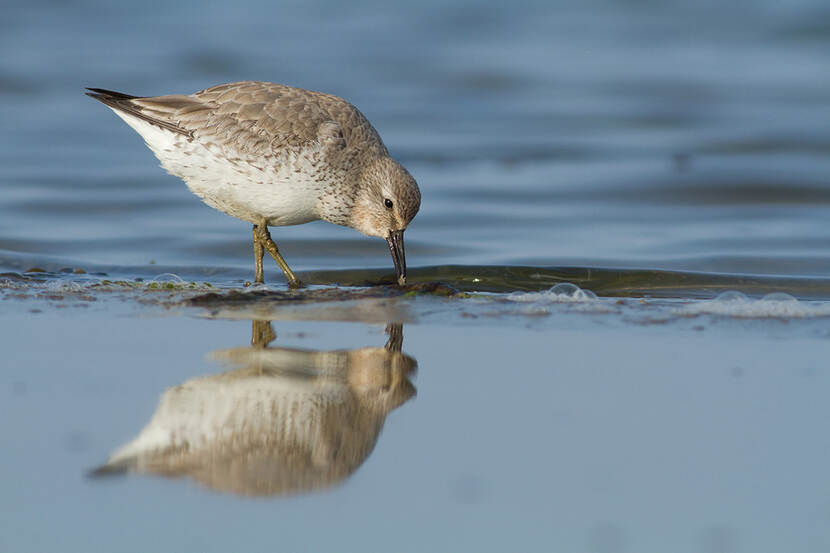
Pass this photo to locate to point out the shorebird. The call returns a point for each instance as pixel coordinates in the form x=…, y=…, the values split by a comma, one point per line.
x=276, y=155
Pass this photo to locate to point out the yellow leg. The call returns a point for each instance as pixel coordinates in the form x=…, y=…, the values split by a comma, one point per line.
x=259, y=276
x=262, y=236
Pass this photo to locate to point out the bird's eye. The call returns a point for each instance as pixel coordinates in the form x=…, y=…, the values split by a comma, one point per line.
x=388, y=203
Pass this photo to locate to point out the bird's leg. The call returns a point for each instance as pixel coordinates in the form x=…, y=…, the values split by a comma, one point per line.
x=259, y=276
x=264, y=237
x=262, y=334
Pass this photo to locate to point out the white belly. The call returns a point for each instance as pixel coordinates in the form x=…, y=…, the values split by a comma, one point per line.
x=282, y=193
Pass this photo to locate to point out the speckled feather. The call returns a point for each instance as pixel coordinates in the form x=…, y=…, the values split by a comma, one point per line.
x=262, y=119
x=259, y=150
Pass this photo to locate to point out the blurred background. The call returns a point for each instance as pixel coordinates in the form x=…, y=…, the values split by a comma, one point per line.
x=613, y=133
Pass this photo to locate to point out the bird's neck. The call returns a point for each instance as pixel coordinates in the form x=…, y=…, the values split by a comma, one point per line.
x=337, y=202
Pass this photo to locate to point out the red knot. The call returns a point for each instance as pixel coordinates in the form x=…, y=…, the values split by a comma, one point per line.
x=276, y=155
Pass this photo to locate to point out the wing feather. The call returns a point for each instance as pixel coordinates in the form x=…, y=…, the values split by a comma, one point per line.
x=253, y=118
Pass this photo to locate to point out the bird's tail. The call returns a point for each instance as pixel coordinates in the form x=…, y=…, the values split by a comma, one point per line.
x=119, y=101
x=112, y=468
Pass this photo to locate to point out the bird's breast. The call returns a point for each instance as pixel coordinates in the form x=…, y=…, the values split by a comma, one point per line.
x=283, y=189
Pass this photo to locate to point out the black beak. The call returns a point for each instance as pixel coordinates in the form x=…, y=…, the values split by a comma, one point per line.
x=395, y=241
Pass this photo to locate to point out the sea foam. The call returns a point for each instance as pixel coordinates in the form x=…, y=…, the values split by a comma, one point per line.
x=564, y=292
x=771, y=306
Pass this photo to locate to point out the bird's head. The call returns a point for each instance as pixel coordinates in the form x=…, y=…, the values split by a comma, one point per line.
x=387, y=200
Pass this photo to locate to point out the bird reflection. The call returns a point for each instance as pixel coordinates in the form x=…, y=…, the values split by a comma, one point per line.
x=284, y=421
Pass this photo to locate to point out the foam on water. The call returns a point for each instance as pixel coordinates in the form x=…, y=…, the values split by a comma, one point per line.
x=564, y=292
x=774, y=306
x=66, y=286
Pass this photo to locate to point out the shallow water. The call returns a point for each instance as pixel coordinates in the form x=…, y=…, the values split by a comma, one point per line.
x=601, y=429
x=658, y=156
x=626, y=135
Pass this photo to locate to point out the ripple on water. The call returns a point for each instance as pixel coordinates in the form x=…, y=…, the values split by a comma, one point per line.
x=772, y=306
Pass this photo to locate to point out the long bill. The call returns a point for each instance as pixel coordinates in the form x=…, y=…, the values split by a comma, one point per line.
x=395, y=241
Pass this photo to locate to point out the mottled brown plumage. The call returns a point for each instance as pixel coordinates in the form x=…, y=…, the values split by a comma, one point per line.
x=277, y=155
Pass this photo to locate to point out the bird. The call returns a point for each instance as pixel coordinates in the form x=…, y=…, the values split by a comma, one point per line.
x=276, y=155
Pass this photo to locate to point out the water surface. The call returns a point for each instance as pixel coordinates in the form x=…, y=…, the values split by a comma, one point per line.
x=658, y=155
x=617, y=135
x=572, y=429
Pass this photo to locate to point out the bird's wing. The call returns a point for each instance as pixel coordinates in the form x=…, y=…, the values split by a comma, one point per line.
x=274, y=116
x=279, y=115
x=254, y=118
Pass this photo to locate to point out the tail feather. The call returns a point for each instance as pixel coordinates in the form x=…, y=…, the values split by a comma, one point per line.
x=101, y=93
x=111, y=469
x=119, y=101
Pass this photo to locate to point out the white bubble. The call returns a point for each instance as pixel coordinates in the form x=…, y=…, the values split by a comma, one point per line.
x=772, y=306
x=573, y=291
x=779, y=296
x=564, y=292
x=168, y=277
x=732, y=296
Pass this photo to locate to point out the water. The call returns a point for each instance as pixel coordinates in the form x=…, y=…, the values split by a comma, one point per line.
x=665, y=437
x=656, y=154
x=622, y=135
